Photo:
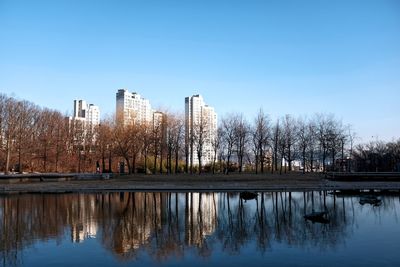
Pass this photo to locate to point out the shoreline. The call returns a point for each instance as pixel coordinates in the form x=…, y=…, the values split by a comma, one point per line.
x=202, y=183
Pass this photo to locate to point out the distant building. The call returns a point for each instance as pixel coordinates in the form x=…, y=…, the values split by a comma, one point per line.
x=158, y=118
x=132, y=108
x=199, y=116
x=88, y=113
x=159, y=127
x=85, y=118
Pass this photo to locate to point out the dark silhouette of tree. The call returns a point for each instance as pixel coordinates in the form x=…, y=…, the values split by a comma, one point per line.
x=241, y=132
x=261, y=137
x=229, y=138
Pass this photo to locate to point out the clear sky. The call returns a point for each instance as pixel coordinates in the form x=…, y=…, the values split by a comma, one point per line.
x=288, y=57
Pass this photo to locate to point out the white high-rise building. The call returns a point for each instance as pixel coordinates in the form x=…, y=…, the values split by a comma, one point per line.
x=132, y=108
x=87, y=113
x=200, y=120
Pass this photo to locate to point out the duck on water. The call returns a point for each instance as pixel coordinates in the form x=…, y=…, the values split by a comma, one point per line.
x=248, y=195
x=317, y=217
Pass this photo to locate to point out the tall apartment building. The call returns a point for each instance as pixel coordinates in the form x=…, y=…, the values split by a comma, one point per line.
x=199, y=117
x=132, y=108
x=87, y=113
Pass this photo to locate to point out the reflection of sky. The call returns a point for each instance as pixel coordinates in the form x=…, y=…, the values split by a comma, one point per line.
x=368, y=237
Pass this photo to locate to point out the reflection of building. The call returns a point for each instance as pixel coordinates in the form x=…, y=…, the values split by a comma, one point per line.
x=199, y=117
x=83, y=226
x=82, y=231
x=136, y=223
x=202, y=216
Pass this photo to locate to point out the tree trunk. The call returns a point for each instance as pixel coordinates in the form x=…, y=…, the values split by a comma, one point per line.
x=256, y=163
x=214, y=160
x=228, y=163
x=20, y=158
x=191, y=156
x=45, y=159
x=187, y=159
x=145, y=161
x=134, y=164
x=8, y=155
x=109, y=162
x=129, y=164
x=155, y=164
x=304, y=160
x=103, y=161
x=176, y=160
x=161, y=161
x=262, y=160
x=312, y=161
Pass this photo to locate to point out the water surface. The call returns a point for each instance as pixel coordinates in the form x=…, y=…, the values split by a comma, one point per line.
x=198, y=229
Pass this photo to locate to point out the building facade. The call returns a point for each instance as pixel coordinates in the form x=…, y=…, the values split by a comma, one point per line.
x=87, y=113
x=200, y=129
x=132, y=108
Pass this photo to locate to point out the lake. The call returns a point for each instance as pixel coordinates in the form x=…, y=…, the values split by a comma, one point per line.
x=200, y=229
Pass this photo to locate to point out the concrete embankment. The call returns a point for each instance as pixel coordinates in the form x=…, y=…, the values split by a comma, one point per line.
x=233, y=182
x=49, y=177
x=364, y=176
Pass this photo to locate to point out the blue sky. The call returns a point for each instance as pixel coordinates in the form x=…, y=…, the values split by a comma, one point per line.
x=287, y=57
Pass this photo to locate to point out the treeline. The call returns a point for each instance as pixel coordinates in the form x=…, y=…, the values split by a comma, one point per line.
x=34, y=139
x=377, y=156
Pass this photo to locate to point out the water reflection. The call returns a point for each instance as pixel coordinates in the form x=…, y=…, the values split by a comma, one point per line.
x=167, y=225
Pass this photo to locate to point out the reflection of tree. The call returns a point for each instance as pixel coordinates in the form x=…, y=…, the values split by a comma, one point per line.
x=169, y=225
x=26, y=219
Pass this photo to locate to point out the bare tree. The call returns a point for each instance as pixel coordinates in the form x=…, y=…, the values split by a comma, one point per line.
x=304, y=140
x=171, y=131
x=25, y=117
x=104, y=143
x=200, y=135
x=312, y=146
x=174, y=137
x=188, y=146
x=9, y=124
x=61, y=137
x=276, y=134
x=336, y=140
x=228, y=137
x=282, y=148
x=123, y=143
x=241, y=129
x=47, y=132
x=351, y=137
x=261, y=137
x=158, y=140
x=322, y=133
x=289, y=127
x=3, y=140
x=216, y=146
x=146, y=141
x=136, y=144
x=180, y=127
